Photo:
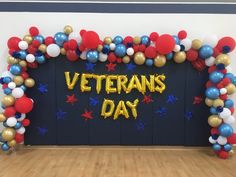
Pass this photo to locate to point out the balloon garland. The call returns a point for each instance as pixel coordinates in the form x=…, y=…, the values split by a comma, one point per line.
x=153, y=50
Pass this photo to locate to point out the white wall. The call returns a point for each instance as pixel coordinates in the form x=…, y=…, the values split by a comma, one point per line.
x=197, y=26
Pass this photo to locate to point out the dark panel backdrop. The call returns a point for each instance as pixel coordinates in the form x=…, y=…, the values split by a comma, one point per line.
x=170, y=118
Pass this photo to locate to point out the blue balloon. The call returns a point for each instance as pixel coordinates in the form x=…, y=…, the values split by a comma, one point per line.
x=230, y=76
x=40, y=59
x=227, y=147
x=39, y=38
x=5, y=147
x=23, y=87
x=18, y=125
x=169, y=56
x=22, y=54
x=229, y=103
x=15, y=69
x=213, y=110
x=225, y=130
x=18, y=115
x=120, y=50
x=234, y=81
x=118, y=40
x=60, y=38
x=7, y=91
x=216, y=147
x=145, y=40
x=7, y=80
x=92, y=56
x=212, y=92
x=216, y=76
x=149, y=62
x=206, y=51
x=177, y=41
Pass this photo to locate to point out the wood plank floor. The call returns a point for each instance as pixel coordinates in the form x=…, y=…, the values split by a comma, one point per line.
x=115, y=161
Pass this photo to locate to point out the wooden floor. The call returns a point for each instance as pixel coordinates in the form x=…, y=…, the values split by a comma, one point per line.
x=115, y=162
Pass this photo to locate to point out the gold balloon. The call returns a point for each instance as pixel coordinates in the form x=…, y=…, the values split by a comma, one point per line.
x=196, y=44
x=107, y=40
x=63, y=51
x=23, y=63
x=2, y=117
x=180, y=57
x=99, y=48
x=222, y=58
x=29, y=82
x=28, y=38
x=43, y=48
x=209, y=102
x=12, y=143
x=139, y=58
x=68, y=29
x=8, y=100
x=214, y=121
x=137, y=40
x=230, y=88
x=218, y=102
x=126, y=59
x=8, y=134
x=19, y=80
x=12, y=60
x=231, y=152
x=160, y=60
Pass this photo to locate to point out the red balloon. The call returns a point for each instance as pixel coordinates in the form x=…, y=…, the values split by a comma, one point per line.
x=71, y=55
x=232, y=139
x=31, y=49
x=226, y=42
x=150, y=52
x=223, y=154
x=214, y=131
x=128, y=39
x=211, y=69
x=25, y=75
x=49, y=40
x=153, y=36
x=25, y=122
x=182, y=34
x=165, y=44
x=142, y=48
x=24, y=105
x=33, y=65
x=72, y=44
x=35, y=43
x=10, y=111
x=192, y=55
x=90, y=40
x=13, y=42
x=232, y=110
x=19, y=138
x=111, y=57
x=34, y=31
x=223, y=97
x=209, y=84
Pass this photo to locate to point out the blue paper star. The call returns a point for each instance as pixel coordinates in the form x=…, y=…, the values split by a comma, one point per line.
x=93, y=101
x=171, y=99
x=188, y=115
x=161, y=111
x=130, y=66
x=42, y=88
x=42, y=131
x=89, y=66
x=60, y=114
x=140, y=125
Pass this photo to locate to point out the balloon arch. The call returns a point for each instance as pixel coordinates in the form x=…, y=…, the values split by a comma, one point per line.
x=153, y=50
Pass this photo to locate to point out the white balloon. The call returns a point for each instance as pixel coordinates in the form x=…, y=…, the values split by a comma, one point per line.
x=221, y=140
x=225, y=113
x=17, y=92
x=210, y=61
x=102, y=57
x=211, y=140
x=21, y=130
x=30, y=58
x=11, y=121
x=223, y=91
x=7, y=74
x=112, y=46
x=210, y=40
x=187, y=43
x=229, y=69
x=23, y=45
x=22, y=117
x=83, y=55
x=229, y=120
x=11, y=85
x=130, y=51
x=53, y=50
x=75, y=36
x=177, y=48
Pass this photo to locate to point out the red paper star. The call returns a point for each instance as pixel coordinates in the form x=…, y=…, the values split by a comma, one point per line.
x=110, y=67
x=71, y=99
x=87, y=115
x=147, y=99
x=197, y=100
